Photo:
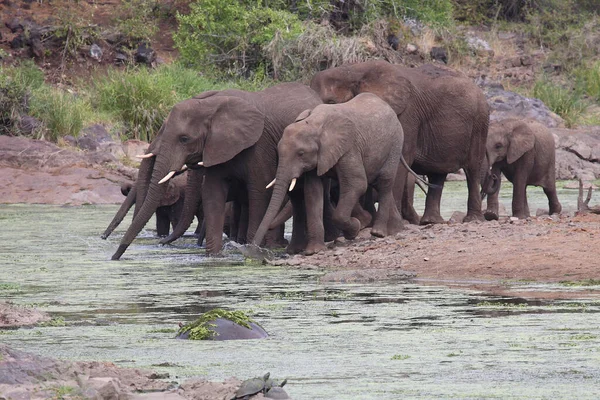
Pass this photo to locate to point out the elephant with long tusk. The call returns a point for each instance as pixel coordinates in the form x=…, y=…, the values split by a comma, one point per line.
x=233, y=135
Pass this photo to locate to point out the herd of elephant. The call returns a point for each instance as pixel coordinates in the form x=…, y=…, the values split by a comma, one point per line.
x=245, y=162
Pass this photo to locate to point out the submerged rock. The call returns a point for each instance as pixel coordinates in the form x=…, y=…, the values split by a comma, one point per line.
x=219, y=324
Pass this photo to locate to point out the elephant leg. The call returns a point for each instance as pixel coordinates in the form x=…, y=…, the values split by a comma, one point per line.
x=163, y=222
x=299, y=239
x=520, y=208
x=214, y=197
x=369, y=202
x=242, y=225
x=553, y=203
x=491, y=212
x=258, y=202
x=353, y=184
x=387, y=215
x=234, y=209
x=404, y=190
x=364, y=217
x=331, y=231
x=473, y=175
x=201, y=231
x=432, y=214
x=313, y=200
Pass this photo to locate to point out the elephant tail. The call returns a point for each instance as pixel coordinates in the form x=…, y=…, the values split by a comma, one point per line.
x=419, y=181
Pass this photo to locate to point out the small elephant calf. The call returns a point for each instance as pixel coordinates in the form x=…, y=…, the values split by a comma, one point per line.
x=359, y=143
x=523, y=150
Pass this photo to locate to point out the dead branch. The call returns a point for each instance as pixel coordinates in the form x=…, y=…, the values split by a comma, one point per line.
x=583, y=205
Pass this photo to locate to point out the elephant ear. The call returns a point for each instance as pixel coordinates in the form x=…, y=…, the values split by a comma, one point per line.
x=235, y=125
x=521, y=141
x=303, y=115
x=171, y=194
x=205, y=95
x=334, y=141
x=390, y=86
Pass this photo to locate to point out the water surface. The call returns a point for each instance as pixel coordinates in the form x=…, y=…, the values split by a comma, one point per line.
x=333, y=341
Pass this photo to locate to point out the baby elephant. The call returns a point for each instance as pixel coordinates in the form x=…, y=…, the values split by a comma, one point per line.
x=523, y=150
x=359, y=143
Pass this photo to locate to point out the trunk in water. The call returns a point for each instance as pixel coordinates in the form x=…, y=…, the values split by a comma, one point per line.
x=146, y=210
x=191, y=202
x=143, y=182
x=123, y=210
x=279, y=192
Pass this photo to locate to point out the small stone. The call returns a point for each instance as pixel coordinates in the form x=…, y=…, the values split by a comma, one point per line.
x=96, y=52
x=439, y=54
x=425, y=258
x=411, y=48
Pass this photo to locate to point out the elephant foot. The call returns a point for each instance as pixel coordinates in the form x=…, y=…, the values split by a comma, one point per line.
x=432, y=219
x=521, y=215
x=331, y=234
x=377, y=232
x=352, y=232
x=490, y=215
x=314, y=248
x=295, y=248
x=470, y=217
x=364, y=217
x=411, y=218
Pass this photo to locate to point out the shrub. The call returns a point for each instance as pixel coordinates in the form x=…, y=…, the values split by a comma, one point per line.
x=61, y=112
x=142, y=98
x=136, y=19
x=16, y=85
x=230, y=34
x=565, y=102
x=588, y=80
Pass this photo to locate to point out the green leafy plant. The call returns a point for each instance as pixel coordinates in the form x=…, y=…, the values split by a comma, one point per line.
x=399, y=357
x=62, y=113
x=137, y=20
x=201, y=329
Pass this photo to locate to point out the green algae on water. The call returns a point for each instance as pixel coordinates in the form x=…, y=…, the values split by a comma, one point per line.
x=201, y=329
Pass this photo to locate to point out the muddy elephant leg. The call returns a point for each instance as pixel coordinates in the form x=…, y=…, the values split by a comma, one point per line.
x=331, y=231
x=299, y=240
x=553, y=203
x=258, y=202
x=519, y=201
x=234, y=211
x=387, y=215
x=163, y=222
x=404, y=191
x=242, y=230
x=214, y=197
x=432, y=214
x=201, y=231
x=474, y=212
x=353, y=184
x=363, y=216
x=313, y=200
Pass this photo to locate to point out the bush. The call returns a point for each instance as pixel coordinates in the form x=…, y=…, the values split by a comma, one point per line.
x=16, y=85
x=565, y=102
x=136, y=19
x=141, y=98
x=588, y=80
x=230, y=34
x=62, y=113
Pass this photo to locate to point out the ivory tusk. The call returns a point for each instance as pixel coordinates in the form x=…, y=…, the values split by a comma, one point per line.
x=201, y=163
x=184, y=167
x=167, y=177
x=145, y=155
x=271, y=184
x=293, y=184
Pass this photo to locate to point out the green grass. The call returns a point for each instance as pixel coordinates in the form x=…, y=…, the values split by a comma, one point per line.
x=585, y=282
x=564, y=101
x=63, y=113
x=399, y=357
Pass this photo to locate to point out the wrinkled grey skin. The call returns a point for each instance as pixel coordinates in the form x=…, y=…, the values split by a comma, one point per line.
x=445, y=117
x=523, y=150
x=168, y=211
x=359, y=143
x=234, y=134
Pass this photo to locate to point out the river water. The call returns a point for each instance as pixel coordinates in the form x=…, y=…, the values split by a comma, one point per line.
x=332, y=341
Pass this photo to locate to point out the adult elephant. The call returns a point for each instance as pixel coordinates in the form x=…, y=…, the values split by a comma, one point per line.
x=445, y=118
x=524, y=151
x=234, y=135
x=168, y=211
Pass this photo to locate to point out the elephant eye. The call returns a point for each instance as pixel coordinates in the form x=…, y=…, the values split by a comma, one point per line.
x=300, y=153
x=184, y=139
x=498, y=145
x=330, y=102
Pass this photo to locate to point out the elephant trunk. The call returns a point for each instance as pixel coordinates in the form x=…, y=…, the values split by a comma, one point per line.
x=123, y=210
x=491, y=182
x=191, y=202
x=277, y=198
x=143, y=182
x=149, y=206
x=283, y=216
